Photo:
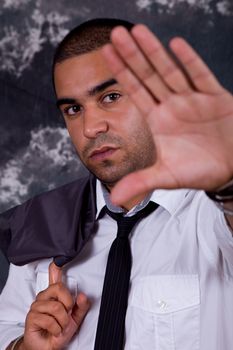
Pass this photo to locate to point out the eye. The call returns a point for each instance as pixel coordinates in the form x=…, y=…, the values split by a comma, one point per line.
x=111, y=97
x=72, y=111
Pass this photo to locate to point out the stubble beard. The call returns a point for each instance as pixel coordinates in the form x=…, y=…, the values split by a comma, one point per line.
x=109, y=171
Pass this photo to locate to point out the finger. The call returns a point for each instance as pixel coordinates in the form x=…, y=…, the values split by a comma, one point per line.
x=55, y=273
x=132, y=86
x=160, y=59
x=52, y=308
x=57, y=292
x=43, y=322
x=131, y=54
x=81, y=308
x=142, y=182
x=79, y=312
x=199, y=73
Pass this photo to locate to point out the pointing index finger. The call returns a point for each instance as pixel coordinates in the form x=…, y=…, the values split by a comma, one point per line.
x=55, y=273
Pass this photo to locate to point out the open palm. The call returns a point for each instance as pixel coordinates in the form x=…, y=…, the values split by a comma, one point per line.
x=190, y=114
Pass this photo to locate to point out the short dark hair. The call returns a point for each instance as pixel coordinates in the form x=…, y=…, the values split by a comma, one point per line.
x=87, y=37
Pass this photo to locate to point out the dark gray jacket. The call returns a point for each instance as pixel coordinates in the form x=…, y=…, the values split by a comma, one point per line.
x=54, y=224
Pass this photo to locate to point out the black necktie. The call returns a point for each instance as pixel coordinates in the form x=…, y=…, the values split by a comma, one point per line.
x=111, y=322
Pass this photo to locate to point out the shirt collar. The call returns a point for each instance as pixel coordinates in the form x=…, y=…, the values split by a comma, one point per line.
x=168, y=199
x=100, y=201
x=103, y=198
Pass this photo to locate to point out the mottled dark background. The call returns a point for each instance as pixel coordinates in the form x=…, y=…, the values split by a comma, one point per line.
x=36, y=154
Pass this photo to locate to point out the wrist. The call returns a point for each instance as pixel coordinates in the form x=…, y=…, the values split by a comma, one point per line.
x=16, y=344
x=20, y=345
x=223, y=193
x=223, y=197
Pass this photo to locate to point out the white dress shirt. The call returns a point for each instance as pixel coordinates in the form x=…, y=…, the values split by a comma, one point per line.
x=181, y=292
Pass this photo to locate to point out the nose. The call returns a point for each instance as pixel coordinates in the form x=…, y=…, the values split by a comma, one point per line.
x=95, y=122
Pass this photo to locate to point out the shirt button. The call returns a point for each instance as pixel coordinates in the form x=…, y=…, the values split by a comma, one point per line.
x=162, y=304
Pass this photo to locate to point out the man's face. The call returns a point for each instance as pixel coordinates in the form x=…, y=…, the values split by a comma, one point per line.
x=110, y=135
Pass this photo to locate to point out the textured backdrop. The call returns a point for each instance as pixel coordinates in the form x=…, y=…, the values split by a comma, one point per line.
x=36, y=154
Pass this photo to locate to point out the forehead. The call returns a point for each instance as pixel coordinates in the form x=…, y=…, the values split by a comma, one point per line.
x=80, y=73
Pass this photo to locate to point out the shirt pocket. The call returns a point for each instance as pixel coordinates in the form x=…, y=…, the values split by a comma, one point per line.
x=169, y=310
x=42, y=282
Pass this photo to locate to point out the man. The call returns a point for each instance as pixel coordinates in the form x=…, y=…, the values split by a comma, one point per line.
x=139, y=124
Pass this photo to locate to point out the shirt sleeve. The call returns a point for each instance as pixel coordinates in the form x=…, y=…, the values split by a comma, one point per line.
x=215, y=235
x=15, y=301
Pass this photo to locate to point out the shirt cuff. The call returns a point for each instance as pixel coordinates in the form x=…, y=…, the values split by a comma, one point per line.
x=8, y=334
x=224, y=235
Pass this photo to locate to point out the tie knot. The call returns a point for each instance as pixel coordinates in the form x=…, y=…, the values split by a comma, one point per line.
x=126, y=223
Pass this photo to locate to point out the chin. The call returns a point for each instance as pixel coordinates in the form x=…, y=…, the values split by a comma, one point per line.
x=108, y=180
x=108, y=177
x=110, y=173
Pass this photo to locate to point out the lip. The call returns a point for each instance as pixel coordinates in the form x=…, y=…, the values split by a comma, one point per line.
x=102, y=152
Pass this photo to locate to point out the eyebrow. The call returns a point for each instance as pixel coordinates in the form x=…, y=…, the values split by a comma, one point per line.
x=92, y=92
x=101, y=87
x=65, y=101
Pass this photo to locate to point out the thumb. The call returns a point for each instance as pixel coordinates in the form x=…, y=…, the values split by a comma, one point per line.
x=55, y=273
x=80, y=309
x=142, y=182
x=78, y=314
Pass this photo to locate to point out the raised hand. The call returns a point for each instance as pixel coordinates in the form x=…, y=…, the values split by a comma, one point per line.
x=55, y=316
x=190, y=114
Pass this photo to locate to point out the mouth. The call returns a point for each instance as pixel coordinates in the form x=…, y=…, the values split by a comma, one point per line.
x=102, y=153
